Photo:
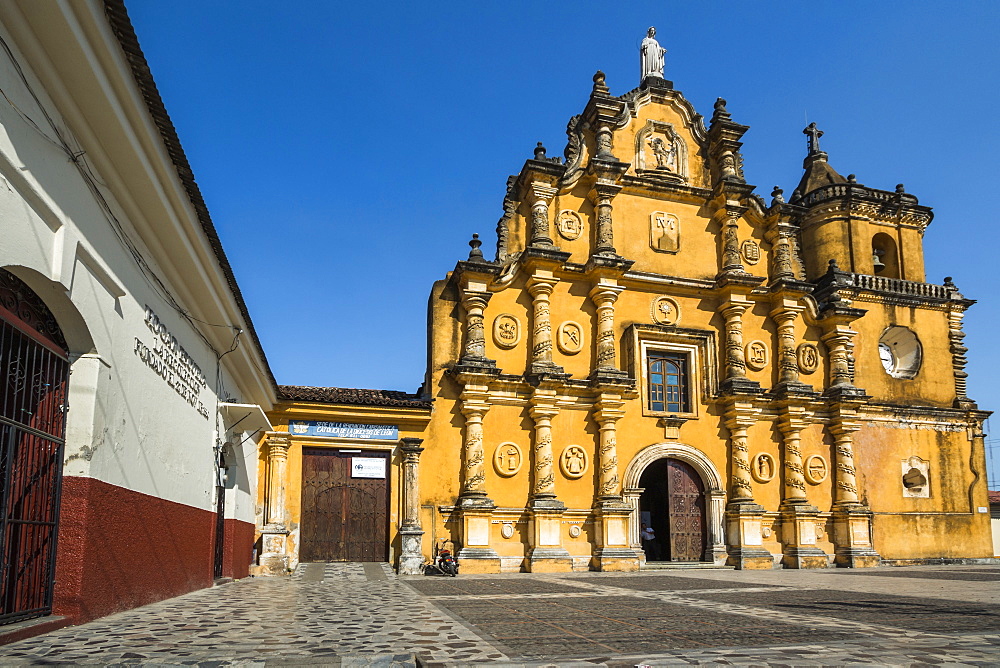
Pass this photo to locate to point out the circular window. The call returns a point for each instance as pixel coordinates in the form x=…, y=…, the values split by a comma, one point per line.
x=900, y=352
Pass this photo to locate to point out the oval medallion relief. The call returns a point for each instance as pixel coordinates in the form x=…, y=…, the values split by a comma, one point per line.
x=763, y=468
x=569, y=338
x=573, y=461
x=756, y=355
x=569, y=224
x=507, y=530
x=807, y=356
x=506, y=331
x=816, y=469
x=507, y=459
x=665, y=311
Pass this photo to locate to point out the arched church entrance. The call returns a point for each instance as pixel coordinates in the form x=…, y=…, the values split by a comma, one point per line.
x=34, y=370
x=673, y=504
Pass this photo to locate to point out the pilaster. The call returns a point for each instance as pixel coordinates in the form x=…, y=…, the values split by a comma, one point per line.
x=604, y=294
x=475, y=507
x=799, y=518
x=852, y=521
x=411, y=559
x=539, y=194
x=274, y=558
x=546, y=554
x=540, y=286
x=743, y=515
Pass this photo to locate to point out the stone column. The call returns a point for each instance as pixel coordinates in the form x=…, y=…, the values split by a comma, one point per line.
x=788, y=365
x=794, y=478
x=411, y=558
x=603, y=194
x=604, y=295
x=846, y=485
x=736, y=365
x=731, y=243
x=839, y=344
x=739, y=453
x=274, y=559
x=543, y=482
x=540, y=286
x=474, y=304
x=473, y=455
x=540, y=195
x=607, y=411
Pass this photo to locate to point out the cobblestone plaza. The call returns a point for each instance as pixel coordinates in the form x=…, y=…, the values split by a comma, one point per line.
x=363, y=614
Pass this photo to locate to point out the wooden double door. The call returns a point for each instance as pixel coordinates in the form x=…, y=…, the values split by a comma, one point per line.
x=344, y=518
x=674, y=499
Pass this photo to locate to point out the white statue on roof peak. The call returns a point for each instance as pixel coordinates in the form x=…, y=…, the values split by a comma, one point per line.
x=651, y=56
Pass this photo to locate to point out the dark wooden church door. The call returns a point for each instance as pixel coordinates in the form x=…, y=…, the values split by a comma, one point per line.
x=344, y=518
x=686, y=510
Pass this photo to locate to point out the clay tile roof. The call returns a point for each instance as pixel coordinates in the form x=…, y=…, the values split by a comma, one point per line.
x=994, y=497
x=347, y=395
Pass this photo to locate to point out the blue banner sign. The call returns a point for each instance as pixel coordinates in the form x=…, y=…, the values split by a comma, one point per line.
x=343, y=430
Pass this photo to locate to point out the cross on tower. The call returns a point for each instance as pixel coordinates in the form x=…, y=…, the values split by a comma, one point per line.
x=814, y=134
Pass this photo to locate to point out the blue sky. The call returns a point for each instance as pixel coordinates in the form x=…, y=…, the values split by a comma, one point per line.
x=348, y=153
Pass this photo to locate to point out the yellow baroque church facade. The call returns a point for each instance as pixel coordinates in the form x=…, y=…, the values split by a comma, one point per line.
x=657, y=365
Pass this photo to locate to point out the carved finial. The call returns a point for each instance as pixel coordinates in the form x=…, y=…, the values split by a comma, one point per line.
x=539, y=152
x=600, y=87
x=899, y=188
x=948, y=282
x=833, y=266
x=814, y=134
x=851, y=178
x=721, y=113
x=777, y=196
x=475, y=255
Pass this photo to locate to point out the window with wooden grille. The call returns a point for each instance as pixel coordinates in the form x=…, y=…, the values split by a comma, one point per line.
x=667, y=378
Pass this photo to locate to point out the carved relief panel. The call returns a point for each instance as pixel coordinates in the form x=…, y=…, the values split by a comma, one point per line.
x=664, y=232
x=750, y=250
x=807, y=355
x=569, y=338
x=507, y=459
x=569, y=224
x=665, y=311
x=573, y=461
x=506, y=331
x=756, y=355
x=816, y=469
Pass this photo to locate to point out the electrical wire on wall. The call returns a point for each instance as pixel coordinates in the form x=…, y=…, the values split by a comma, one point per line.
x=79, y=159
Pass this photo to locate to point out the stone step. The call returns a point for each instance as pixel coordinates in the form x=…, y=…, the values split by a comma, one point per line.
x=680, y=565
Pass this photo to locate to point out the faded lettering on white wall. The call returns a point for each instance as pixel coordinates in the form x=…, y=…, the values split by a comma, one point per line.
x=168, y=359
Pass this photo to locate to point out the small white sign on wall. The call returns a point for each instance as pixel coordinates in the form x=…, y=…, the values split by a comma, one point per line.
x=367, y=467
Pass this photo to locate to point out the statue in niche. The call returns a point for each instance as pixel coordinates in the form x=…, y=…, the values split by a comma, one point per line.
x=665, y=152
x=651, y=56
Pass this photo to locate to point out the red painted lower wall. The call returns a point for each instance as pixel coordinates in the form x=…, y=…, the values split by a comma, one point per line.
x=119, y=549
x=237, y=549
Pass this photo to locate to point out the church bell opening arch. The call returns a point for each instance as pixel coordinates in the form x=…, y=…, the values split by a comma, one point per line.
x=703, y=483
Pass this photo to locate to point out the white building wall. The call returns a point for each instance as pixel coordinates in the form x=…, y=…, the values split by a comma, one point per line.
x=127, y=425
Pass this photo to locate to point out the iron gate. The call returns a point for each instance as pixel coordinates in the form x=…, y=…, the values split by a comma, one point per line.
x=35, y=369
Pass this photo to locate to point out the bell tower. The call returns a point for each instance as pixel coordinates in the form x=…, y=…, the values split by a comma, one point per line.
x=866, y=230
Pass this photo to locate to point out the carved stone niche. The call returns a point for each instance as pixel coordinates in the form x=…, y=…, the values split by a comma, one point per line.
x=915, y=480
x=660, y=151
